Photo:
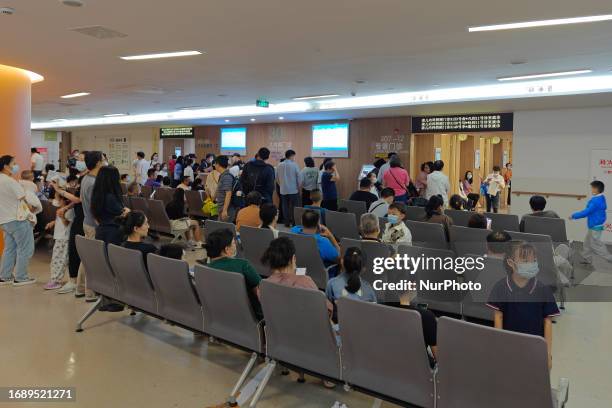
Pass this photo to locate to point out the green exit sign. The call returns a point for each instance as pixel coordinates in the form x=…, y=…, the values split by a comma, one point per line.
x=262, y=103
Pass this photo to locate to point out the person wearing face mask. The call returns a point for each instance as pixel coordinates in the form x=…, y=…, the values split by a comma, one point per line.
x=154, y=160
x=18, y=235
x=495, y=184
x=136, y=229
x=80, y=166
x=396, y=231
x=221, y=251
x=521, y=302
x=467, y=191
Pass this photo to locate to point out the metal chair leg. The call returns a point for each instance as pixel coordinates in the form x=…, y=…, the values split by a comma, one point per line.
x=86, y=316
x=247, y=370
x=262, y=385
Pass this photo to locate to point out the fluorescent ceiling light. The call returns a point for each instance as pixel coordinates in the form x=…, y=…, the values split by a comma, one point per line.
x=499, y=91
x=253, y=119
x=542, y=23
x=281, y=118
x=114, y=115
x=226, y=120
x=160, y=55
x=303, y=98
x=546, y=75
x=75, y=95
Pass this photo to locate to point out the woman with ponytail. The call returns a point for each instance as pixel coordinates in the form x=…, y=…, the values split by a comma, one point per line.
x=349, y=283
x=135, y=229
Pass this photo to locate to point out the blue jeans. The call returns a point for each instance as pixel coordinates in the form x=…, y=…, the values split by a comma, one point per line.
x=18, y=249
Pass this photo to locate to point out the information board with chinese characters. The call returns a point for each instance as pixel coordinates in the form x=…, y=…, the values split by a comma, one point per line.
x=395, y=141
x=477, y=122
x=176, y=133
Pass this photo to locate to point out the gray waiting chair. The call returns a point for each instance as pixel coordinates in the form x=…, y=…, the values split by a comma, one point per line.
x=123, y=188
x=354, y=207
x=427, y=234
x=459, y=217
x=254, y=242
x=309, y=346
x=164, y=194
x=448, y=301
x=146, y=191
x=229, y=316
x=476, y=364
x=381, y=370
x=464, y=240
x=160, y=222
x=194, y=203
x=100, y=276
x=554, y=227
x=298, y=212
x=474, y=302
x=307, y=254
x=342, y=225
x=141, y=204
x=414, y=213
x=212, y=225
x=503, y=222
x=176, y=297
x=135, y=288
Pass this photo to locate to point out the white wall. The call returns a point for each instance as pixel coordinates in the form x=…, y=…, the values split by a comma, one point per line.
x=144, y=139
x=38, y=140
x=552, y=153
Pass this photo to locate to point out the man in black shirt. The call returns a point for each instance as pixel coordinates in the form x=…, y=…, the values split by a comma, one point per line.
x=258, y=175
x=364, y=194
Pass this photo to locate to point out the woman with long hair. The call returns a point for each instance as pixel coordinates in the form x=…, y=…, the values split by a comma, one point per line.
x=180, y=221
x=434, y=212
x=135, y=230
x=466, y=189
x=349, y=283
x=398, y=179
x=107, y=205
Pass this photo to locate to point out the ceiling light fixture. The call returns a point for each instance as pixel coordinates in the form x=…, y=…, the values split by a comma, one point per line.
x=545, y=75
x=75, y=95
x=114, y=115
x=253, y=119
x=281, y=118
x=227, y=120
x=161, y=55
x=304, y=98
x=542, y=23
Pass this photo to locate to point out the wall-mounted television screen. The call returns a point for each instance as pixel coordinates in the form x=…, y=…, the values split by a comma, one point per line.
x=330, y=140
x=233, y=140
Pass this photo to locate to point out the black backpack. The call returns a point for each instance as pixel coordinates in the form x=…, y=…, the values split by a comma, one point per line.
x=237, y=199
x=248, y=181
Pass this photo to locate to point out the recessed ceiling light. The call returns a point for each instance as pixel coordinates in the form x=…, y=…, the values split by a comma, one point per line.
x=542, y=23
x=227, y=120
x=360, y=81
x=112, y=115
x=222, y=95
x=303, y=98
x=75, y=95
x=253, y=119
x=281, y=117
x=518, y=62
x=161, y=55
x=72, y=3
x=545, y=75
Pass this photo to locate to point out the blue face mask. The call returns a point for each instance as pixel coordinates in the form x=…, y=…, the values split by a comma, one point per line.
x=527, y=270
x=15, y=169
x=80, y=166
x=393, y=219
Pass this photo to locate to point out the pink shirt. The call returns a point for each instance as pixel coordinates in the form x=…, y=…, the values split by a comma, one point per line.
x=397, y=179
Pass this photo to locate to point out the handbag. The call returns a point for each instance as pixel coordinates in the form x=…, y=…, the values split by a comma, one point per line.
x=210, y=208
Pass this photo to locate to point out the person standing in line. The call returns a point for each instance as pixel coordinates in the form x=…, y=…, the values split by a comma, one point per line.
x=383, y=169
x=289, y=180
x=259, y=175
x=223, y=198
x=309, y=176
x=107, y=205
x=508, y=180
x=140, y=168
x=38, y=163
x=495, y=184
x=18, y=235
x=188, y=170
x=171, y=164
x=397, y=178
x=328, y=186
x=437, y=183
x=178, y=171
x=235, y=165
x=595, y=213
x=421, y=179
x=61, y=235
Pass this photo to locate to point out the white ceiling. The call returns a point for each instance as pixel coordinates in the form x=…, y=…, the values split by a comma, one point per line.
x=278, y=49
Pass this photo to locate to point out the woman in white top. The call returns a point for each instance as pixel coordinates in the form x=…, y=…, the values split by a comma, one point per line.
x=18, y=235
x=495, y=184
x=188, y=170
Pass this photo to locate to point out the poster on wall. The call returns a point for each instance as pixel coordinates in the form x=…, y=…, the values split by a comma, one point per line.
x=395, y=141
x=438, y=153
x=119, y=152
x=477, y=158
x=279, y=143
x=44, y=152
x=601, y=169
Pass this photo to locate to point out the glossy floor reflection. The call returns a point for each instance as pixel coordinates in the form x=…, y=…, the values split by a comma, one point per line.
x=137, y=361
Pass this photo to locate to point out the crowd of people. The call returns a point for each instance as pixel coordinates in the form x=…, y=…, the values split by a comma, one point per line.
x=89, y=201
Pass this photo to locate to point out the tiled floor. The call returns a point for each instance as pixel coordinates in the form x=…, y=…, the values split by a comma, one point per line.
x=137, y=361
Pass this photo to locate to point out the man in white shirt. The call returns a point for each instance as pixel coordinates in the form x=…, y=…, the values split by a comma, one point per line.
x=437, y=182
x=38, y=163
x=383, y=169
x=141, y=166
x=18, y=235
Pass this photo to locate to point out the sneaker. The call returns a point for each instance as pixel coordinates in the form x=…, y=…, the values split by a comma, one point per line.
x=91, y=298
x=78, y=294
x=196, y=245
x=28, y=281
x=5, y=282
x=52, y=285
x=68, y=287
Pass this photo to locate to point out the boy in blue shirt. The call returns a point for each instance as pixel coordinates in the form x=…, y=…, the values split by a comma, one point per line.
x=329, y=250
x=595, y=213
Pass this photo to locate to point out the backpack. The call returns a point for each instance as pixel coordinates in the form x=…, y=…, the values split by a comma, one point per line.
x=237, y=199
x=250, y=174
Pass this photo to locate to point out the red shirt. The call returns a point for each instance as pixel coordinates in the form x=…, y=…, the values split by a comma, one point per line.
x=397, y=179
x=171, y=165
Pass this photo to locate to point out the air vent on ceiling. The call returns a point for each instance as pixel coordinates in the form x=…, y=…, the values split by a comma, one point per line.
x=99, y=32
x=7, y=11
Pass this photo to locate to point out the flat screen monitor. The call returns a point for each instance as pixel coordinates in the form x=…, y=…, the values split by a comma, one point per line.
x=365, y=170
x=330, y=140
x=233, y=140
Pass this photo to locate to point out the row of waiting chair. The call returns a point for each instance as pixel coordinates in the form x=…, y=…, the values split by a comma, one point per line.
x=381, y=353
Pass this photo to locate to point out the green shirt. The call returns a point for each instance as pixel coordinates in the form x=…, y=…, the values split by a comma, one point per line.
x=251, y=277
